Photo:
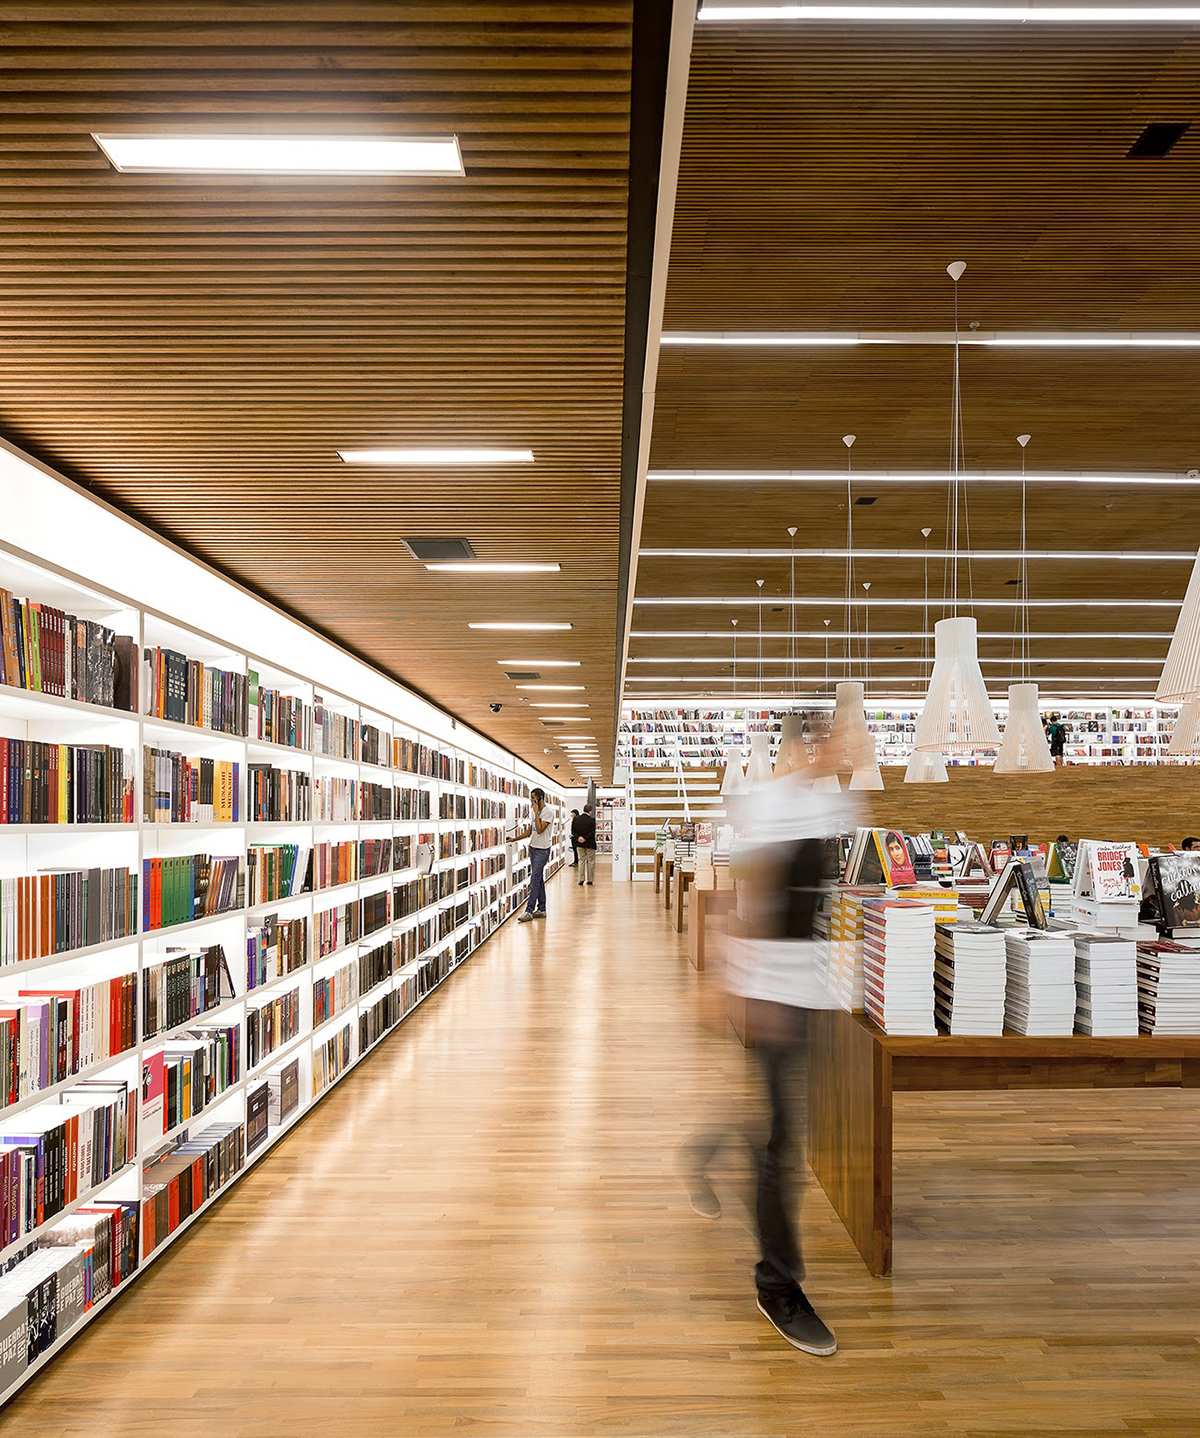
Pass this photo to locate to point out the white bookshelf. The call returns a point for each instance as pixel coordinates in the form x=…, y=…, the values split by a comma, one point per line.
x=495, y=784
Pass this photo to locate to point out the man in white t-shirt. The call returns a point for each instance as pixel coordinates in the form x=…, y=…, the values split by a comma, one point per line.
x=540, y=835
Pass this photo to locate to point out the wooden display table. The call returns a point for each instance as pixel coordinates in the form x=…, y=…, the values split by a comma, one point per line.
x=658, y=868
x=685, y=879
x=703, y=904
x=854, y=1069
x=668, y=871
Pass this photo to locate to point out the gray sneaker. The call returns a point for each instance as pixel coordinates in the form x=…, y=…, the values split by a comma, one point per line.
x=525, y=917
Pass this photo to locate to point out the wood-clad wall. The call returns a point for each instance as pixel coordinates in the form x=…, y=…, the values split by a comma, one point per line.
x=1154, y=804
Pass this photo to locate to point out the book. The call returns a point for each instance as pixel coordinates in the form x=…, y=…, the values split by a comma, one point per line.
x=1168, y=984
x=970, y=978
x=898, y=965
x=1040, y=987
x=1174, y=882
x=1106, y=984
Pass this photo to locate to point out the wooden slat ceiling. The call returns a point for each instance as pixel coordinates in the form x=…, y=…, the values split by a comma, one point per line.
x=197, y=348
x=829, y=174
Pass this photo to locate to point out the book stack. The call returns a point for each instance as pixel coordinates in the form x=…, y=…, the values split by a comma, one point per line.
x=846, y=944
x=944, y=902
x=1106, y=982
x=1168, y=988
x=970, y=977
x=1040, y=997
x=898, y=937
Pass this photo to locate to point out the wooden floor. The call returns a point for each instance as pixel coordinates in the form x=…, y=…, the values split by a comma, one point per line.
x=481, y=1232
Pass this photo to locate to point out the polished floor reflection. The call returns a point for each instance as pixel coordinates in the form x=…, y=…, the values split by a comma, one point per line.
x=481, y=1231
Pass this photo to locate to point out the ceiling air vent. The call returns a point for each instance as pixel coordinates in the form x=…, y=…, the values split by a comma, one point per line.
x=866, y=499
x=522, y=674
x=426, y=548
x=1158, y=140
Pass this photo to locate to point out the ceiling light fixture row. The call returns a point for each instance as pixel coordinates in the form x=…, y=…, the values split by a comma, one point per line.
x=889, y=476
x=1011, y=13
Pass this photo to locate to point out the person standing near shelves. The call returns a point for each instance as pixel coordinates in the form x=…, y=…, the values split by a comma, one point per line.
x=583, y=834
x=1056, y=736
x=574, y=845
x=539, y=834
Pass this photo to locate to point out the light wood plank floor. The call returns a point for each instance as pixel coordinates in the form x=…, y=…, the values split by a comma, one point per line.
x=481, y=1232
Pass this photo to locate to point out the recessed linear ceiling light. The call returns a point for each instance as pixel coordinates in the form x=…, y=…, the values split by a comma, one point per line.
x=883, y=636
x=785, y=681
x=817, y=662
x=164, y=153
x=561, y=688
x=984, y=339
x=436, y=456
x=1017, y=13
x=882, y=477
x=746, y=602
x=526, y=626
x=482, y=566
x=556, y=704
x=538, y=663
x=1145, y=556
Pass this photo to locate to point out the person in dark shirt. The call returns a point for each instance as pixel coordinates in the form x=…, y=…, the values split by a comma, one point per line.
x=583, y=836
x=574, y=846
x=1056, y=734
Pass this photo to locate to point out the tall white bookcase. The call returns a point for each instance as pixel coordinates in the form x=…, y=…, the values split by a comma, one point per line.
x=290, y=658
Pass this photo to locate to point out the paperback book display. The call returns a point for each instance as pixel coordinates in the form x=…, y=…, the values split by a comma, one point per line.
x=1106, y=992
x=898, y=937
x=157, y=993
x=970, y=978
x=1168, y=986
x=1040, y=996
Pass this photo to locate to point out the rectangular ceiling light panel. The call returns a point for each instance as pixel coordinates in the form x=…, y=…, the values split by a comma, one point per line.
x=1012, y=13
x=528, y=626
x=436, y=456
x=220, y=154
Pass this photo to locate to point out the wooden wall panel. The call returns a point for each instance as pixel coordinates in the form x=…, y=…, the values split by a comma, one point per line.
x=1155, y=805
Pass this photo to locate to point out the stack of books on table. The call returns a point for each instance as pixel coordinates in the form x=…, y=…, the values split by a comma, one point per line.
x=970, y=975
x=1106, y=983
x=944, y=902
x=1168, y=988
x=1040, y=994
x=846, y=943
x=898, y=965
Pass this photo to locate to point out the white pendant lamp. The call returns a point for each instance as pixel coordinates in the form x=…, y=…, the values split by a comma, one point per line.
x=1024, y=749
x=793, y=752
x=957, y=718
x=734, y=781
x=758, y=770
x=851, y=745
x=1180, y=679
x=926, y=767
x=1185, y=737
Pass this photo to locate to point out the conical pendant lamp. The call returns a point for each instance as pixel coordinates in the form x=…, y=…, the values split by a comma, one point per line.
x=758, y=770
x=926, y=768
x=734, y=781
x=957, y=718
x=1024, y=749
x=1180, y=679
x=1185, y=737
x=793, y=752
x=851, y=745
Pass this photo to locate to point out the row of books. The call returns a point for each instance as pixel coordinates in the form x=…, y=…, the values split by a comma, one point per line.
x=334, y=928
x=275, y=947
x=44, y=783
x=186, y=887
x=277, y=717
x=48, y=651
x=46, y=1035
x=180, y=790
x=186, y=691
x=53, y=913
x=331, y=1059
x=412, y=804
x=375, y=965
x=56, y=1152
x=337, y=735
x=271, y=1026
x=74, y=1266
x=276, y=796
x=341, y=800
x=184, y=986
x=185, y=1076
x=177, y=1183
x=334, y=992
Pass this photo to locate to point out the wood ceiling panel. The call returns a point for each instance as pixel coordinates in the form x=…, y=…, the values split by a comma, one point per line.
x=196, y=348
x=829, y=173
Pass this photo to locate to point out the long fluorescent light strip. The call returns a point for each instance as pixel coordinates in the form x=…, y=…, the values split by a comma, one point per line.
x=525, y=626
x=436, y=456
x=856, y=661
x=980, y=339
x=888, y=477
x=984, y=14
x=1148, y=556
x=751, y=602
x=538, y=663
x=487, y=566
x=884, y=636
x=161, y=152
x=561, y=688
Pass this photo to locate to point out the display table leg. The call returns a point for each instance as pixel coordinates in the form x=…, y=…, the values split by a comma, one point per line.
x=850, y=1130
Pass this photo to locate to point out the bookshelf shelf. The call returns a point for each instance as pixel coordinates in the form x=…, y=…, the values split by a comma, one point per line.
x=496, y=782
x=84, y=1198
